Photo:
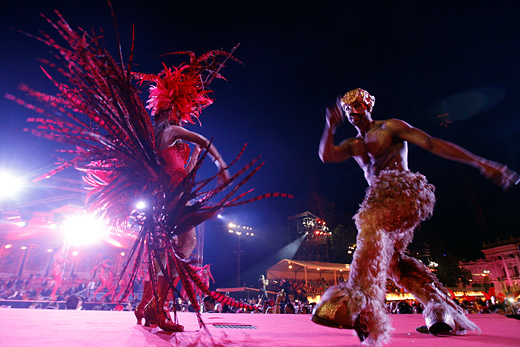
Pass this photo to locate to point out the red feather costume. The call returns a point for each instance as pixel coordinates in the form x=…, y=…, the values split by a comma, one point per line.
x=119, y=155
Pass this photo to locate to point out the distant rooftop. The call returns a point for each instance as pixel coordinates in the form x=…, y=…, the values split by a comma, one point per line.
x=512, y=240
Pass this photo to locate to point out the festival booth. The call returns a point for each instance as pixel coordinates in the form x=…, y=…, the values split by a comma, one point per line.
x=307, y=270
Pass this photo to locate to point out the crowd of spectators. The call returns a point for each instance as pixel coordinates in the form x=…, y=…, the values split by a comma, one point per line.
x=39, y=288
x=291, y=297
x=300, y=289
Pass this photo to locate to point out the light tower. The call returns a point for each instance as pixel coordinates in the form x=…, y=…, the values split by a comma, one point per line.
x=315, y=244
x=239, y=231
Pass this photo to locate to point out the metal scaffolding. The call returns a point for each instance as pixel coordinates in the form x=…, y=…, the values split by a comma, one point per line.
x=314, y=232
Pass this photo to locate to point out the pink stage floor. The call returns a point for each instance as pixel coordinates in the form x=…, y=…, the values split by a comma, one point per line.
x=28, y=327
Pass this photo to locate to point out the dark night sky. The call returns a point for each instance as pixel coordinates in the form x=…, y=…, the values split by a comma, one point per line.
x=419, y=59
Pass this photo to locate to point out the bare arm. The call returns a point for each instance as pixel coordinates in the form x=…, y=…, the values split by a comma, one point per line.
x=498, y=173
x=193, y=159
x=328, y=152
x=173, y=133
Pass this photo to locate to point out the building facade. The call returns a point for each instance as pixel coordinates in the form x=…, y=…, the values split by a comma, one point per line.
x=500, y=266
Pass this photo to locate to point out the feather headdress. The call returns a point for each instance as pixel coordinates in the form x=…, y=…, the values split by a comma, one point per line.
x=180, y=93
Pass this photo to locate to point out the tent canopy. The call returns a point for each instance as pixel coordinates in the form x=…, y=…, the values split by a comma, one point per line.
x=307, y=270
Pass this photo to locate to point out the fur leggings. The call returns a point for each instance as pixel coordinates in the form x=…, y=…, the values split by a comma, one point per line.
x=395, y=204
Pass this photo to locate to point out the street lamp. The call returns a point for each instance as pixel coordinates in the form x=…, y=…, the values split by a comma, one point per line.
x=240, y=230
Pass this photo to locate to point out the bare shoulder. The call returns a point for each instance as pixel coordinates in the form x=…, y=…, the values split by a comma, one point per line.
x=347, y=143
x=352, y=146
x=395, y=125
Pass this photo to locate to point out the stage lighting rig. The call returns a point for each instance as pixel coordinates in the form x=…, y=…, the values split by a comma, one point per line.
x=239, y=230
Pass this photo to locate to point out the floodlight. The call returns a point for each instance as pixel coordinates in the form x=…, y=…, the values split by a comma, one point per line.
x=84, y=229
x=9, y=185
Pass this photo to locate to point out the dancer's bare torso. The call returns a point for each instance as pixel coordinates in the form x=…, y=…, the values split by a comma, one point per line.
x=378, y=149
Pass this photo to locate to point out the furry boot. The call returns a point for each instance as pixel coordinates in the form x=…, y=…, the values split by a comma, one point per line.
x=442, y=315
x=359, y=304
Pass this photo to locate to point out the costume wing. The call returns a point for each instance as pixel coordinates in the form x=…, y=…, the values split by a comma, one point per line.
x=99, y=111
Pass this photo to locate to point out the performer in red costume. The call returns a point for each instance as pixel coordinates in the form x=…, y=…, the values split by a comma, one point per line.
x=57, y=272
x=166, y=102
x=396, y=201
x=105, y=275
x=127, y=159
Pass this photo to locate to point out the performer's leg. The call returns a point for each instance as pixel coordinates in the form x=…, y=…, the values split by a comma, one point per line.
x=57, y=284
x=103, y=285
x=359, y=303
x=145, y=299
x=441, y=313
x=158, y=312
x=187, y=242
x=111, y=290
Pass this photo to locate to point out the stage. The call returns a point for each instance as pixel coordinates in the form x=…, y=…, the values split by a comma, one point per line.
x=45, y=327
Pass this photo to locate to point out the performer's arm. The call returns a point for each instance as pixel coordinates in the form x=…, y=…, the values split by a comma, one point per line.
x=193, y=159
x=328, y=152
x=174, y=133
x=498, y=173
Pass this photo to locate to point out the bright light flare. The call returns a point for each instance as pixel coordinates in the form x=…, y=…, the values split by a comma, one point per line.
x=140, y=205
x=115, y=243
x=10, y=185
x=85, y=229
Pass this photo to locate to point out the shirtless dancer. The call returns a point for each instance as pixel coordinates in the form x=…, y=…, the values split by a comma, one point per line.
x=396, y=201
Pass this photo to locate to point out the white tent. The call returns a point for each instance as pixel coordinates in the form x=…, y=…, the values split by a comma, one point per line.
x=307, y=270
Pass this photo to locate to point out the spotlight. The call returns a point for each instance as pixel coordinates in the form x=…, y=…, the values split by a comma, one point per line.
x=8, y=246
x=83, y=229
x=115, y=243
x=140, y=205
x=9, y=185
x=75, y=253
x=219, y=216
x=21, y=224
x=23, y=247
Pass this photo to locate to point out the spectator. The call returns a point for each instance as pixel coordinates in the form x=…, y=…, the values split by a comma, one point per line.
x=209, y=304
x=289, y=308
